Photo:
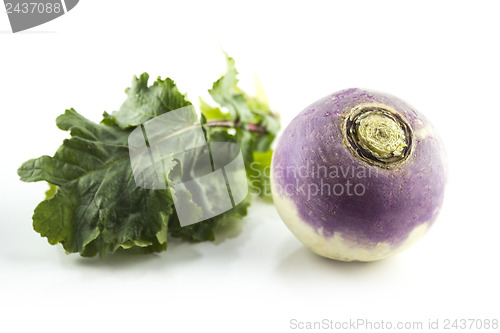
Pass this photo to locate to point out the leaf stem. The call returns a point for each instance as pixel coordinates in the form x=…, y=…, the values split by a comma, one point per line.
x=250, y=127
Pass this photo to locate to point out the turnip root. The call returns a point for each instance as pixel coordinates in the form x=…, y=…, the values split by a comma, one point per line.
x=358, y=176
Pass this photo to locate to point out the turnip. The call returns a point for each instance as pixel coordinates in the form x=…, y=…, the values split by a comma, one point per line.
x=358, y=176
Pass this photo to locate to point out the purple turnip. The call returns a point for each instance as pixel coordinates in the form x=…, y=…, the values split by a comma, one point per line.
x=358, y=176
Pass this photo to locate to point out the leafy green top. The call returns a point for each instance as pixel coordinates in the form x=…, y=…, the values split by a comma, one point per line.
x=93, y=205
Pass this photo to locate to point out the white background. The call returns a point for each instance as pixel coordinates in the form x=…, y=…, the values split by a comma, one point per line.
x=442, y=57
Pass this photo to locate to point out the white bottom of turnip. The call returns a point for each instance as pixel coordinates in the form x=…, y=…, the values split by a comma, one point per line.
x=337, y=247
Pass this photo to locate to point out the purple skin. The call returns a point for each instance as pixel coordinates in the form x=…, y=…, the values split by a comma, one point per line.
x=375, y=219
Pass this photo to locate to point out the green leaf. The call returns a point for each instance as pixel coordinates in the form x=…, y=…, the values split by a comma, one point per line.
x=259, y=173
x=95, y=207
x=225, y=93
x=205, y=231
x=212, y=113
x=255, y=124
x=98, y=207
x=144, y=103
x=242, y=108
x=51, y=191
